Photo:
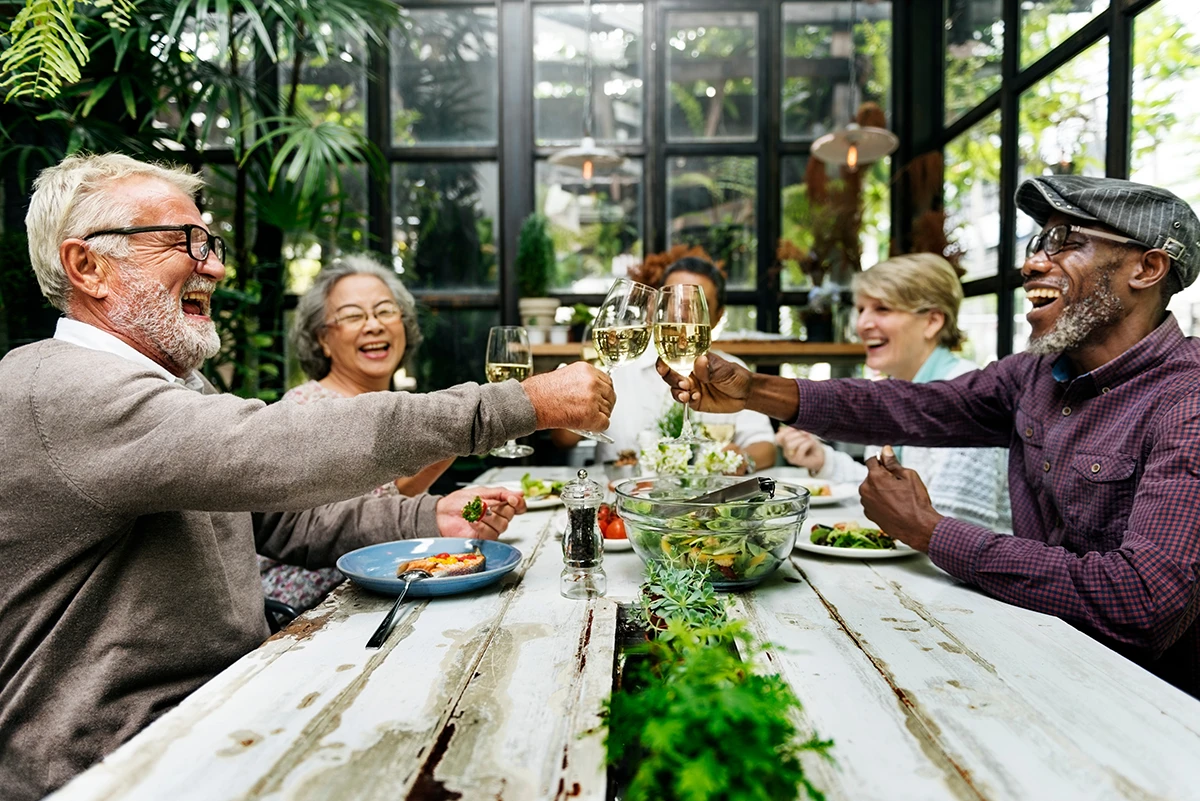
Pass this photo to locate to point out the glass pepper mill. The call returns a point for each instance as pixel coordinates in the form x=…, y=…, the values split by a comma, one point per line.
x=583, y=551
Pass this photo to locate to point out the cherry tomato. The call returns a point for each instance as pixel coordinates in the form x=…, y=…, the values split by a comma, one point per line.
x=615, y=530
x=442, y=556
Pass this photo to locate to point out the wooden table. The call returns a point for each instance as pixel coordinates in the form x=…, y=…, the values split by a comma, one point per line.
x=929, y=689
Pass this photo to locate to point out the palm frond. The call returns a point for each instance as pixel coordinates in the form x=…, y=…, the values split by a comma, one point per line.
x=45, y=50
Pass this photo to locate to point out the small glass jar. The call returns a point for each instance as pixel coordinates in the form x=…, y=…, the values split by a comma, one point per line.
x=583, y=550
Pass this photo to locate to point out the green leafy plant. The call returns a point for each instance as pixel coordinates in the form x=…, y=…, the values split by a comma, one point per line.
x=675, y=593
x=535, y=257
x=671, y=422
x=700, y=726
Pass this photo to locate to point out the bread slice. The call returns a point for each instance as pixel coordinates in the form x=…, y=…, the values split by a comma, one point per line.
x=446, y=564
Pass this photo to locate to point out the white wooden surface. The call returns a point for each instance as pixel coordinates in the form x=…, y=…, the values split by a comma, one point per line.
x=929, y=689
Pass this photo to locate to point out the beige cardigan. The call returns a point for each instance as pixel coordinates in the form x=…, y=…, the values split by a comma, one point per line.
x=127, y=555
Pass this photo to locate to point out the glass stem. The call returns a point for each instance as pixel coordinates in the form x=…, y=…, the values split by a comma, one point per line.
x=686, y=431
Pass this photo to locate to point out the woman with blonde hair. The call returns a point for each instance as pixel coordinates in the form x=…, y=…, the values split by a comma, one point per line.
x=908, y=321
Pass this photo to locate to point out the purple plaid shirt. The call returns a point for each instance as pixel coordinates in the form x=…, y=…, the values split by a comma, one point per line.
x=1104, y=472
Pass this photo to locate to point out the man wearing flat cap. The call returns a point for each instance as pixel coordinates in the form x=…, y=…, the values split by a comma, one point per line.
x=1101, y=416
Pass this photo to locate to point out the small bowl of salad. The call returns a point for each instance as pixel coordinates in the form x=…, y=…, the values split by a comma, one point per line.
x=739, y=542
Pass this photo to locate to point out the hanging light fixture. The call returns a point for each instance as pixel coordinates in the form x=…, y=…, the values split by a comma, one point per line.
x=587, y=157
x=855, y=144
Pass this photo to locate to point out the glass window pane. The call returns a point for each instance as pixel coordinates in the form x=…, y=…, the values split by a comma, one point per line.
x=815, y=243
x=1045, y=24
x=816, y=66
x=445, y=77
x=210, y=123
x=738, y=320
x=972, y=197
x=974, y=47
x=977, y=319
x=331, y=88
x=444, y=219
x=1064, y=125
x=340, y=228
x=560, y=73
x=712, y=71
x=710, y=203
x=1166, y=126
x=455, y=347
x=1021, y=329
x=596, y=227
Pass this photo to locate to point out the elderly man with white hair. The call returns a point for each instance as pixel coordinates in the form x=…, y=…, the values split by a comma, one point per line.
x=127, y=549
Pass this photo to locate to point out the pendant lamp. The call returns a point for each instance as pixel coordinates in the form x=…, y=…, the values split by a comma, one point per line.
x=856, y=144
x=587, y=157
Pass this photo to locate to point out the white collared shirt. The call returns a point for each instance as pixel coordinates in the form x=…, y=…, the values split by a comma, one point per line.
x=91, y=337
x=643, y=397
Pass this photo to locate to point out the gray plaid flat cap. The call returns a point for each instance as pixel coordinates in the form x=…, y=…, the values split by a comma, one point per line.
x=1145, y=213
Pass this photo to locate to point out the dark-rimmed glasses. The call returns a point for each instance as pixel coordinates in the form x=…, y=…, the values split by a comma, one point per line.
x=200, y=241
x=1054, y=239
x=385, y=312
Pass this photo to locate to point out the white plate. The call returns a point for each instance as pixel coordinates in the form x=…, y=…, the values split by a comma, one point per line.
x=618, y=545
x=840, y=492
x=545, y=502
x=804, y=544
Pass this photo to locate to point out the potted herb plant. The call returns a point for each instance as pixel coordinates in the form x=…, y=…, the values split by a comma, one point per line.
x=690, y=719
x=535, y=267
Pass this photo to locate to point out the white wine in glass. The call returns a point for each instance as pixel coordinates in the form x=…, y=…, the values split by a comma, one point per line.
x=682, y=334
x=621, y=330
x=509, y=356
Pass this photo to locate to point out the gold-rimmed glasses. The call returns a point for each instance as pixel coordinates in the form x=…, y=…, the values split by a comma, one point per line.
x=386, y=312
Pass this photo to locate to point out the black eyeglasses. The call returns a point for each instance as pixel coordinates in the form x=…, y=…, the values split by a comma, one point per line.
x=1054, y=239
x=200, y=242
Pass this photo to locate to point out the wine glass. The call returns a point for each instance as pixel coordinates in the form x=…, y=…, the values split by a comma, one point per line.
x=621, y=330
x=509, y=356
x=681, y=335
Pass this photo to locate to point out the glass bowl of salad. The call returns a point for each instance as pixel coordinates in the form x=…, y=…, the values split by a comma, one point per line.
x=739, y=542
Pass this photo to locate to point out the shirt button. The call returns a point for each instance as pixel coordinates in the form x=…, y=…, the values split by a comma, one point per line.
x=1046, y=467
x=1029, y=432
x=1096, y=467
x=1104, y=391
x=1066, y=410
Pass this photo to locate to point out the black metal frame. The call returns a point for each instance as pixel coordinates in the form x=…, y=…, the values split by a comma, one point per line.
x=518, y=154
x=1115, y=23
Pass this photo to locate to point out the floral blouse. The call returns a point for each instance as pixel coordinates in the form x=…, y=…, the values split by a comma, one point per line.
x=297, y=586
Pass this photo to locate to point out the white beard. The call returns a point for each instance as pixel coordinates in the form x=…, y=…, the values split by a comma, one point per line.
x=146, y=310
x=1079, y=322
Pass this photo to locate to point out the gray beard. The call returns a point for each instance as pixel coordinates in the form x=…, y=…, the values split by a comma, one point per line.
x=1080, y=322
x=146, y=311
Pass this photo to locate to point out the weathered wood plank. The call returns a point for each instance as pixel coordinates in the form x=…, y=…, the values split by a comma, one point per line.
x=881, y=750
x=1024, y=705
x=514, y=733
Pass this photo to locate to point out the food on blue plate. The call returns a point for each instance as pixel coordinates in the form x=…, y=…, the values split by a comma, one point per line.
x=446, y=564
x=851, y=535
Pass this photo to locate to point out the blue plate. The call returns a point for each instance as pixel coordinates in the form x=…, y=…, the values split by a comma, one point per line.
x=374, y=566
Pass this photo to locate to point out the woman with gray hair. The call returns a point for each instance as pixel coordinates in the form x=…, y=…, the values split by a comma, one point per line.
x=353, y=329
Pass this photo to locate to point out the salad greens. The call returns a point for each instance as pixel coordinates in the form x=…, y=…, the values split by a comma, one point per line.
x=539, y=488
x=734, y=542
x=851, y=535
